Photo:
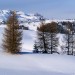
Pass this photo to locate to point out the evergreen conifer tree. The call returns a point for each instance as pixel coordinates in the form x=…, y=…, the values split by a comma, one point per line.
x=12, y=35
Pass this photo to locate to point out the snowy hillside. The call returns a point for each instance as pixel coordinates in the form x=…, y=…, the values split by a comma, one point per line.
x=29, y=37
x=28, y=63
x=27, y=18
x=36, y=64
x=23, y=17
x=27, y=42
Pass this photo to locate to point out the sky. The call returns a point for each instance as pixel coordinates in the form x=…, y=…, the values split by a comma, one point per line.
x=52, y=9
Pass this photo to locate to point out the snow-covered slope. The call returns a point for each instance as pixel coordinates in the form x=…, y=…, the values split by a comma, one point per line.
x=27, y=18
x=60, y=20
x=4, y=15
x=29, y=37
x=36, y=64
x=27, y=42
x=23, y=17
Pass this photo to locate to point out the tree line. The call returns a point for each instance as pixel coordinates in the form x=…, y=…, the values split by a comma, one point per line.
x=47, y=41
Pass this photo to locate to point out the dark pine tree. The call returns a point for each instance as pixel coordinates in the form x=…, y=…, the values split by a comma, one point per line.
x=70, y=38
x=12, y=35
x=35, y=48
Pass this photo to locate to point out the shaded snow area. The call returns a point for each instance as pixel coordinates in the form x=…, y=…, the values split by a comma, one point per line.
x=36, y=64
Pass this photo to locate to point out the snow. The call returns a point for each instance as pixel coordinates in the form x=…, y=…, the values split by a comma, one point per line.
x=28, y=63
x=58, y=20
x=22, y=17
x=28, y=18
x=61, y=41
x=28, y=40
x=36, y=64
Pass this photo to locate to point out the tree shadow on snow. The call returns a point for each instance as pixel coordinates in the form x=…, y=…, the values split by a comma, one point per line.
x=25, y=53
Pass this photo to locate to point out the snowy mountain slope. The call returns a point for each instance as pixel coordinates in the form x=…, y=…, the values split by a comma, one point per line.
x=27, y=18
x=60, y=20
x=4, y=14
x=36, y=64
x=22, y=17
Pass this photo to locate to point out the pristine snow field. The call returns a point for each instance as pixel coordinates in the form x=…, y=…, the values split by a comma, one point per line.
x=37, y=64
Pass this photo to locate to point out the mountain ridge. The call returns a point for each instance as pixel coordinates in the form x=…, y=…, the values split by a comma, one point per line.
x=22, y=17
